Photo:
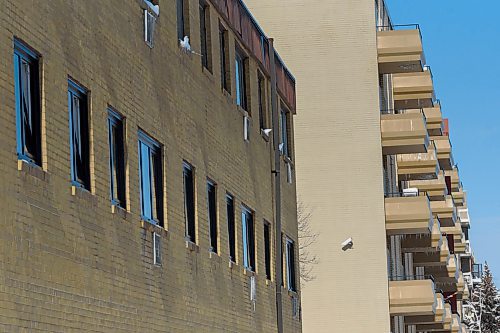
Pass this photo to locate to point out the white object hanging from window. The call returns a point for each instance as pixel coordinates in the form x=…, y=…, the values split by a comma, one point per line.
x=253, y=291
x=156, y=249
x=246, y=128
x=149, y=27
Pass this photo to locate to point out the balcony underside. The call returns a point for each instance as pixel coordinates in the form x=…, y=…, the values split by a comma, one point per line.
x=400, y=51
x=413, y=90
x=434, y=188
x=423, y=242
x=404, y=133
x=446, y=211
x=408, y=215
x=421, y=166
x=438, y=318
x=443, y=151
x=444, y=326
x=412, y=298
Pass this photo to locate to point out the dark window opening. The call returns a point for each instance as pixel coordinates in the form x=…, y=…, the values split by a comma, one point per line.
x=248, y=233
x=116, y=158
x=231, y=227
x=241, y=70
x=267, y=249
x=79, y=135
x=189, y=202
x=224, y=56
x=285, y=146
x=212, y=215
x=205, y=35
x=448, y=183
x=262, y=102
x=451, y=243
x=28, y=112
x=290, y=260
x=182, y=19
x=151, y=176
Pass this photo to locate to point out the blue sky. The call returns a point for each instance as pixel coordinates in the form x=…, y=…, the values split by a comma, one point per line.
x=462, y=46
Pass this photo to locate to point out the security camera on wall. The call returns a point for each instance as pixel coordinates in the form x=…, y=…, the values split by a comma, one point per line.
x=347, y=244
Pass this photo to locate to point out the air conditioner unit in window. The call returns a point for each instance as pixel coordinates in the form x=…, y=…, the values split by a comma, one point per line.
x=246, y=128
x=253, y=291
x=289, y=173
x=410, y=192
x=295, y=307
x=156, y=249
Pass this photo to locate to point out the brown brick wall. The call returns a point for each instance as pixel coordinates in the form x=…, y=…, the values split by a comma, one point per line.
x=67, y=262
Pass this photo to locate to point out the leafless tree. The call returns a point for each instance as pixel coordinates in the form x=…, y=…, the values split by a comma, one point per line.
x=307, y=237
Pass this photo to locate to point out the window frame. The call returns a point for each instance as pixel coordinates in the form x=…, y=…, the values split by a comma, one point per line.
x=231, y=226
x=189, y=217
x=285, y=134
x=212, y=216
x=225, y=65
x=248, y=238
x=205, y=35
x=241, y=72
x=117, y=159
x=268, y=249
x=28, y=150
x=262, y=100
x=149, y=29
x=291, y=267
x=182, y=8
x=79, y=177
x=155, y=173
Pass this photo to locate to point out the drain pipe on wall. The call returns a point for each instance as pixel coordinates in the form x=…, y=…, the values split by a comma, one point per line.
x=277, y=189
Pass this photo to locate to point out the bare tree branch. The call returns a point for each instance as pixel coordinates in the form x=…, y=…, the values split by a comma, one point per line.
x=307, y=237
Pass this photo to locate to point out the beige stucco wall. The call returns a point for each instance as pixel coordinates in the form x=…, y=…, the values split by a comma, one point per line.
x=330, y=46
x=67, y=263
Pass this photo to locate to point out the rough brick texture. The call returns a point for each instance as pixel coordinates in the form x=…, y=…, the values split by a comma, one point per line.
x=68, y=263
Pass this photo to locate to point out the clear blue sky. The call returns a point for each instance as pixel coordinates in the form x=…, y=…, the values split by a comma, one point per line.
x=462, y=45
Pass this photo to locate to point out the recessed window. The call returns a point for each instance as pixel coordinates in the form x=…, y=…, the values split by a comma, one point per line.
x=248, y=236
x=225, y=72
x=150, y=23
x=182, y=19
x=290, y=265
x=79, y=135
x=261, y=92
x=285, y=132
x=231, y=227
x=212, y=215
x=205, y=35
x=151, y=178
x=241, y=63
x=28, y=112
x=116, y=158
x=189, y=202
x=267, y=249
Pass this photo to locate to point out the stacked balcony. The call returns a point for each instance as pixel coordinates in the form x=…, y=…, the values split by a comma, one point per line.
x=400, y=50
x=412, y=298
x=443, y=151
x=418, y=166
x=435, y=189
x=413, y=90
x=408, y=215
x=404, y=133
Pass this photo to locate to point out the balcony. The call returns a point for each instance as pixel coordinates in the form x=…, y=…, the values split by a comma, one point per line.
x=445, y=211
x=456, y=324
x=404, y=133
x=400, y=51
x=420, y=166
x=444, y=326
x=437, y=318
x=413, y=90
x=434, y=188
x=434, y=118
x=443, y=151
x=455, y=178
x=424, y=242
x=461, y=245
x=412, y=298
x=437, y=257
x=446, y=276
x=459, y=196
x=407, y=215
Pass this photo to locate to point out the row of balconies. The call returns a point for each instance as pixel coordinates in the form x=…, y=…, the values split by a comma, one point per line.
x=432, y=210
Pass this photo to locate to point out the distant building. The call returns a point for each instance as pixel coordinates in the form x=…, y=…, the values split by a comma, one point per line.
x=375, y=164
